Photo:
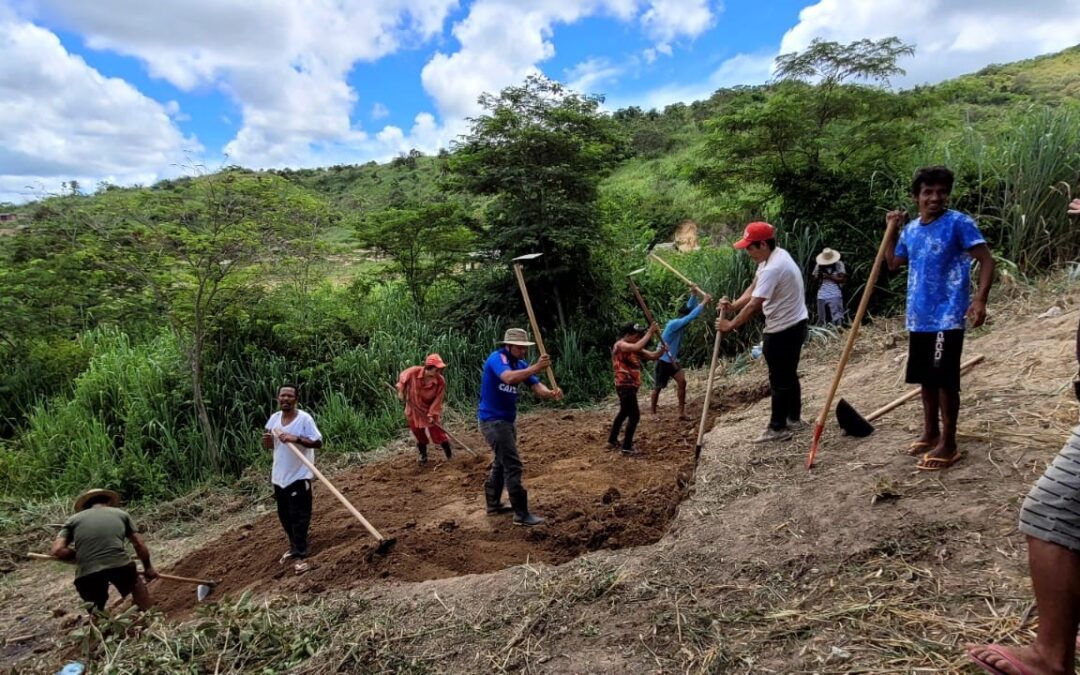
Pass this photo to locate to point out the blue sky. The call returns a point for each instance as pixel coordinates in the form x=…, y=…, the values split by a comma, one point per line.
x=128, y=91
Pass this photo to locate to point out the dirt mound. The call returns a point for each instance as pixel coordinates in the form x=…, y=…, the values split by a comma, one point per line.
x=593, y=498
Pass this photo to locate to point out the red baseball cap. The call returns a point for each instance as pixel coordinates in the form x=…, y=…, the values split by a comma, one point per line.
x=758, y=231
x=434, y=360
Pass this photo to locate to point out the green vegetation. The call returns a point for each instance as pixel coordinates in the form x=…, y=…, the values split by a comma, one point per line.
x=143, y=332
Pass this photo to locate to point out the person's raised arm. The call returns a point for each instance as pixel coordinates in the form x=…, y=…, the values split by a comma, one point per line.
x=977, y=311
x=510, y=376
x=895, y=252
x=627, y=346
x=542, y=391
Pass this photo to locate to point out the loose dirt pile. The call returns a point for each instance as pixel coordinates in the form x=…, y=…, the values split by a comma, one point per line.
x=592, y=496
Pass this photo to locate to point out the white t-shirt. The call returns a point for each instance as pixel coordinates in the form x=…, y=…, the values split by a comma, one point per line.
x=287, y=468
x=780, y=285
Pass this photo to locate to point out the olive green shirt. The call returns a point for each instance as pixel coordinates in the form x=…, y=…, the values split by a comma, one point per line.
x=97, y=534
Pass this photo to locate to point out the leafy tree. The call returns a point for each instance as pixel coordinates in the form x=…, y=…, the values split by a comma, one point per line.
x=200, y=248
x=428, y=242
x=812, y=147
x=540, y=151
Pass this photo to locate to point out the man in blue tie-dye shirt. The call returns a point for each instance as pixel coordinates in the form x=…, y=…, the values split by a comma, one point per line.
x=938, y=248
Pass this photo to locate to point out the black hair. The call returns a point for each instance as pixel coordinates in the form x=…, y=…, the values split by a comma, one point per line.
x=631, y=329
x=684, y=310
x=932, y=175
x=289, y=385
x=771, y=243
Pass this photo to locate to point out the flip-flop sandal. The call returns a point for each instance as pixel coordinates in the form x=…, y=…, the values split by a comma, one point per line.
x=988, y=667
x=917, y=447
x=285, y=557
x=928, y=463
x=301, y=567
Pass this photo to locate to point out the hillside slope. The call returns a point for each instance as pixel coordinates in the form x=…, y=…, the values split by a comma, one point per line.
x=863, y=565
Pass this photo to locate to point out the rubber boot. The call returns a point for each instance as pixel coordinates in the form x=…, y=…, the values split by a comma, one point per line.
x=494, y=503
x=422, y=447
x=447, y=450
x=520, y=500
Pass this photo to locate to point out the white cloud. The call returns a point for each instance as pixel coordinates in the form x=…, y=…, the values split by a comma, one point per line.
x=667, y=20
x=60, y=120
x=379, y=111
x=503, y=41
x=587, y=76
x=951, y=37
x=285, y=62
x=739, y=69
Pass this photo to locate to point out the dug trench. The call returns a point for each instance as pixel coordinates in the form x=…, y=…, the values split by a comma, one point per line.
x=592, y=496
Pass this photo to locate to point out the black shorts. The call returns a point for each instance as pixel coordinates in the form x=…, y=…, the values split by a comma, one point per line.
x=934, y=359
x=95, y=587
x=664, y=372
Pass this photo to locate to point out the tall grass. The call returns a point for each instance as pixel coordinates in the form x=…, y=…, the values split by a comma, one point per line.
x=128, y=421
x=1017, y=180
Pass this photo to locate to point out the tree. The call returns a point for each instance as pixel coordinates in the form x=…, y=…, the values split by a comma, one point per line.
x=200, y=248
x=427, y=242
x=813, y=143
x=540, y=152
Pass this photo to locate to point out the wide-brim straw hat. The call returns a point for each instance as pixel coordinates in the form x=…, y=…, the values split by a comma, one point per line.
x=80, y=503
x=516, y=336
x=828, y=257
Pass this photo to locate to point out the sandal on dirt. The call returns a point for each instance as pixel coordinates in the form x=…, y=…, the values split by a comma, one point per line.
x=928, y=463
x=1005, y=656
x=301, y=567
x=285, y=557
x=919, y=447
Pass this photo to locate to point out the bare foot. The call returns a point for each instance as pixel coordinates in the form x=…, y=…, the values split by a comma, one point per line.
x=1010, y=660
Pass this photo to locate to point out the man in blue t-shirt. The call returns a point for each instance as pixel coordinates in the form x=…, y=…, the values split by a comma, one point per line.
x=938, y=248
x=504, y=370
x=667, y=367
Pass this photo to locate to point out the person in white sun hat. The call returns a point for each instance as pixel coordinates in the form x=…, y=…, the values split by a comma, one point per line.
x=831, y=276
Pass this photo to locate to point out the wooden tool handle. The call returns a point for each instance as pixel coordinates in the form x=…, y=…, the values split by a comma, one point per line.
x=892, y=405
x=708, y=393
x=333, y=490
x=648, y=315
x=532, y=321
x=671, y=269
x=853, y=333
x=162, y=575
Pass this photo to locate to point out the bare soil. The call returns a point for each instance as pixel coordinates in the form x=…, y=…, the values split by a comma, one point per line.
x=749, y=564
x=592, y=496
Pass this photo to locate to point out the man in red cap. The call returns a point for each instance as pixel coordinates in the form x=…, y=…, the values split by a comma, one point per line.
x=777, y=291
x=423, y=388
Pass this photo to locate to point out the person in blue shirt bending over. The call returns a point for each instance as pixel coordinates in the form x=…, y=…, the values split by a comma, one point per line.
x=504, y=370
x=938, y=248
x=668, y=368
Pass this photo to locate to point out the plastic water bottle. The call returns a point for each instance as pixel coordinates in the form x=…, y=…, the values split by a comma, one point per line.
x=72, y=668
x=755, y=351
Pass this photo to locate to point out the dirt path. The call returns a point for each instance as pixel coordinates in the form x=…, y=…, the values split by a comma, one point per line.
x=593, y=498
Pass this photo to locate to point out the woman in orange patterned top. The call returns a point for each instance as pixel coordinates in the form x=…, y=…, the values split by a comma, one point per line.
x=422, y=388
x=626, y=357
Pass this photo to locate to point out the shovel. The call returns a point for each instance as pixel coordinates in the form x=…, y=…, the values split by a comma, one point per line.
x=708, y=397
x=529, y=310
x=384, y=543
x=204, y=587
x=858, y=426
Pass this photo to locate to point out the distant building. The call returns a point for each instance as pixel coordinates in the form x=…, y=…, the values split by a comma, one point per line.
x=8, y=217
